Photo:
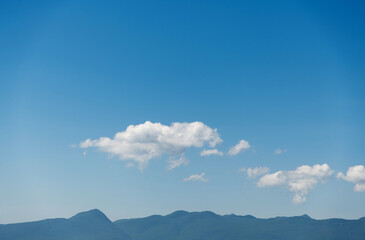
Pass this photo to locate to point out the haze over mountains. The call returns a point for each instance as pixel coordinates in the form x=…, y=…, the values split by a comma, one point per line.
x=182, y=225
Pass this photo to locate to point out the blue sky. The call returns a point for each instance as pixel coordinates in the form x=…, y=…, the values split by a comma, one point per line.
x=286, y=75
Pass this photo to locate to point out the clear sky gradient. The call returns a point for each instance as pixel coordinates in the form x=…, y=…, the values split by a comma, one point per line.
x=283, y=75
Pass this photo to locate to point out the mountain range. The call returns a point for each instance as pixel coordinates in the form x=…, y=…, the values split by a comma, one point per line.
x=182, y=225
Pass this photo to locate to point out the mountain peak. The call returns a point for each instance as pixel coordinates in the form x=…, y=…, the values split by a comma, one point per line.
x=208, y=213
x=178, y=213
x=94, y=215
x=305, y=216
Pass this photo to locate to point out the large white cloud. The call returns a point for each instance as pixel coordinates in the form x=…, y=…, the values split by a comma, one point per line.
x=299, y=181
x=356, y=175
x=239, y=147
x=196, y=177
x=148, y=140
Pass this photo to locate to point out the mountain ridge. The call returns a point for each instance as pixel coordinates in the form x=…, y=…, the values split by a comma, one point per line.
x=184, y=212
x=184, y=225
x=88, y=225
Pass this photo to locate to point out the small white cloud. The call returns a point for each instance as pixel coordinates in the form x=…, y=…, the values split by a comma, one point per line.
x=196, y=177
x=258, y=171
x=279, y=151
x=143, y=142
x=129, y=165
x=240, y=146
x=356, y=175
x=207, y=152
x=300, y=181
x=84, y=153
x=177, y=163
x=359, y=187
x=241, y=170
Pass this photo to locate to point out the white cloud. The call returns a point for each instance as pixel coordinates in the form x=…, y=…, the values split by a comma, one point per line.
x=176, y=163
x=148, y=140
x=356, y=175
x=240, y=146
x=241, y=170
x=359, y=187
x=196, y=177
x=272, y=180
x=129, y=165
x=300, y=181
x=255, y=172
x=279, y=151
x=207, y=152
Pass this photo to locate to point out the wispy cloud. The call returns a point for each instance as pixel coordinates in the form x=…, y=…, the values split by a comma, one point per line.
x=300, y=181
x=207, y=152
x=149, y=140
x=255, y=172
x=196, y=177
x=129, y=165
x=242, y=145
x=356, y=175
x=177, y=163
x=279, y=151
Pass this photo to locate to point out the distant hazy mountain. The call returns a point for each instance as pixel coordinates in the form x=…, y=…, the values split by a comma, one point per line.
x=91, y=225
x=181, y=225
